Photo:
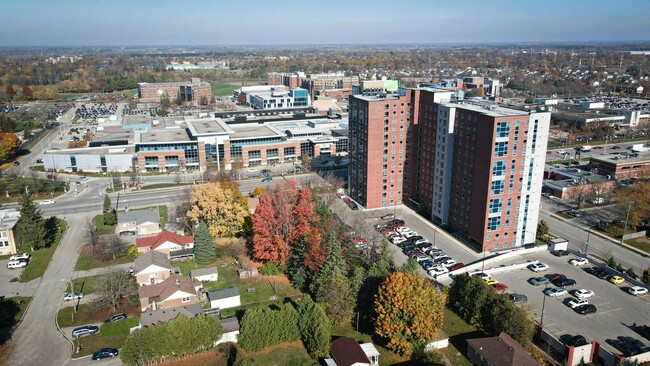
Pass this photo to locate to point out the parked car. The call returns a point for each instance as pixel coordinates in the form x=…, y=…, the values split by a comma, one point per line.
x=115, y=318
x=586, y=309
x=637, y=290
x=555, y=292
x=105, y=353
x=448, y=263
x=560, y=253
x=84, y=330
x=538, y=281
x=500, y=287
x=574, y=303
x=565, y=282
x=252, y=170
x=46, y=202
x=427, y=265
x=267, y=179
x=16, y=264
x=127, y=233
x=491, y=281
x=555, y=276
x=20, y=256
x=517, y=298
x=388, y=217
x=584, y=293
x=437, y=271
x=616, y=280
x=538, y=267
x=604, y=275
x=456, y=266
x=483, y=276
x=73, y=296
x=593, y=270
x=397, y=239
x=576, y=341
x=578, y=261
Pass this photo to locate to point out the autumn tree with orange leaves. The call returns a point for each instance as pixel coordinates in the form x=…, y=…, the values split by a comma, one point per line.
x=409, y=312
x=283, y=216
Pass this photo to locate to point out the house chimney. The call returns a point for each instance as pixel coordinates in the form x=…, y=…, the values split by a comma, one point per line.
x=178, y=283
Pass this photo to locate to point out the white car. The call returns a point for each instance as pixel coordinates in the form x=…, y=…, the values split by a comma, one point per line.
x=76, y=295
x=578, y=261
x=538, y=267
x=421, y=241
x=403, y=229
x=637, y=290
x=584, y=293
x=421, y=257
x=439, y=255
x=252, y=170
x=397, y=239
x=46, y=202
x=19, y=256
x=448, y=263
x=437, y=271
x=574, y=303
x=410, y=234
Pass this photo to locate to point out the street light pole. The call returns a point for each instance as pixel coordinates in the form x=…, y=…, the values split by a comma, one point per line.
x=629, y=205
x=587, y=244
x=541, y=321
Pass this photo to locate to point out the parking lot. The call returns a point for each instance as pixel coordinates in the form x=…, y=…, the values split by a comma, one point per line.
x=616, y=308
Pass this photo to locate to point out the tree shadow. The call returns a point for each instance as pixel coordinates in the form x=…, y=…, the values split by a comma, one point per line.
x=8, y=311
x=51, y=229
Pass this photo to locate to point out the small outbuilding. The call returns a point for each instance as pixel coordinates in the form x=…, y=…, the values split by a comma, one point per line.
x=209, y=274
x=224, y=299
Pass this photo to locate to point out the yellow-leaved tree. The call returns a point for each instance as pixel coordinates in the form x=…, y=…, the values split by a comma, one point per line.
x=410, y=311
x=220, y=206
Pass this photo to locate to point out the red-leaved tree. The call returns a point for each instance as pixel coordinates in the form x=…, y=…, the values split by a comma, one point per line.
x=284, y=214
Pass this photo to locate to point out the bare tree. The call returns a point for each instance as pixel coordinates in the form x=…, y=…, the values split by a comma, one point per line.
x=52, y=174
x=113, y=287
x=178, y=212
x=92, y=235
x=115, y=247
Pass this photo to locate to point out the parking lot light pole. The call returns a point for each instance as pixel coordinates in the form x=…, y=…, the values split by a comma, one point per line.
x=541, y=321
x=629, y=205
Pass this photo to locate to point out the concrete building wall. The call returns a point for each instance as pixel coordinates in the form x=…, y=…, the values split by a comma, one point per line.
x=230, y=302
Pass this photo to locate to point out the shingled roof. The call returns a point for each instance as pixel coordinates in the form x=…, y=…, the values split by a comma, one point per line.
x=165, y=315
x=346, y=352
x=151, y=257
x=154, y=242
x=139, y=216
x=161, y=291
x=502, y=350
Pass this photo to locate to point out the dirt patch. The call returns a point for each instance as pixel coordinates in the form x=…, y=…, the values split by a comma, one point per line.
x=203, y=359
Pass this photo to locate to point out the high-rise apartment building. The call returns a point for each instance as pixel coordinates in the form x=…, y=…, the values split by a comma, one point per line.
x=471, y=165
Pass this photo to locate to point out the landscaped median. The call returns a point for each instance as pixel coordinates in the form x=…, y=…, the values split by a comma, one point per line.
x=41, y=258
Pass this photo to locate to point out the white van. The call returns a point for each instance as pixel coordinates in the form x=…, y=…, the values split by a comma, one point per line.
x=16, y=264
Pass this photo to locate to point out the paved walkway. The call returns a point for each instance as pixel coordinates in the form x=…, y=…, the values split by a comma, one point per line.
x=103, y=270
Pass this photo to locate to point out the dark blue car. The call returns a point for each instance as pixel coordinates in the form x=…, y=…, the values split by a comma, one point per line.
x=105, y=353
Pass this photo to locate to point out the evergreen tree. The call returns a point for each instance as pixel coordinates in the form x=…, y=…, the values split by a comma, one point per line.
x=314, y=327
x=296, y=270
x=204, y=250
x=31, y=226
x=107, y=204
x=177, y=100
x=110, y=218
x=411, y=266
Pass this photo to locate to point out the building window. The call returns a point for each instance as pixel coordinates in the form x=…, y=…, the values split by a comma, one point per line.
x=497, y=187
x=501, y=148
x=493, y=224
x=503, y=128
x=186, y=299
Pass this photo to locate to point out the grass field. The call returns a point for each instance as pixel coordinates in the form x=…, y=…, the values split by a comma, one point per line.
x=12, y=310
x=293, y=353
x=41, y=258
x=221, y=88
x=103, y=229
x=641, y=243
x=87, y=285
x=93, y=343
x=39, y=188
x=87, y=261
x=458, y=332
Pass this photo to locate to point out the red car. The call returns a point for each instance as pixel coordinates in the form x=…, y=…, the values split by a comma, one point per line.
x=499, y=287
x=456, y=266
x=359, y=239
x=386, y=230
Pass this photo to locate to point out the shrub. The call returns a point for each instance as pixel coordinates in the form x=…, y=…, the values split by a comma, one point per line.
x=269, y=269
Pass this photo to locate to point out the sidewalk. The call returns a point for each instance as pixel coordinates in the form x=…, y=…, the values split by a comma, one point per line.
x=102, y=270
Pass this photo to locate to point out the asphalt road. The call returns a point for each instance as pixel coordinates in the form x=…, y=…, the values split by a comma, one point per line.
x=576, y=232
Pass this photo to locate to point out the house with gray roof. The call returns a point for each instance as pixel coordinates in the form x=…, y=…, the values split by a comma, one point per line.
x=224, y=299
x=230, y=330
x=138, y=222
x=152, y=267
x=164, y=315
x=209, y=274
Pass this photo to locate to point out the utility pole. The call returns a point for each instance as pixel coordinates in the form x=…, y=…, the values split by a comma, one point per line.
x=587, y=244
x=629, y=205
x=541, y=321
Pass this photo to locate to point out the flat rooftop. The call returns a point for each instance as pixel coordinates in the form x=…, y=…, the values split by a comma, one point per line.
x=8, y=218
x=488, y=109
x=642, y=157
x=249, y=131
x=104, y=150
x=171, y=135
x=136, y=119
x=207, y=126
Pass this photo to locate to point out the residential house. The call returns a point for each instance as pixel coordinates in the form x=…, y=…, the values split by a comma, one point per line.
x=224, y=299
x=164, y=315
x=173, y=292
x=8, y=220
x=209, y=274
x=167, y=242
x=346, y=351
x=501, y=350
x=140, y=222
x=152, y=267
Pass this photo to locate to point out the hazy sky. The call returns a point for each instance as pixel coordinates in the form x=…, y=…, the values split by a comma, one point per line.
x=233, y=22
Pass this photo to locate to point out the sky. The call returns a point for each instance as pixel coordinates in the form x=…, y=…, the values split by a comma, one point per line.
x=307, y=22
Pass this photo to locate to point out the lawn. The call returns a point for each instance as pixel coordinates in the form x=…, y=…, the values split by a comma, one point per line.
x=293, y=353
x=93, y=343
x=221, y=88
x=458, y=332
x=164, y=185
x=641, y=243
x=41, y=258
x=87, y=261
x=12, y=310
x=98, y=221
x=88, y=313
x=87, y=285
x=39, y=188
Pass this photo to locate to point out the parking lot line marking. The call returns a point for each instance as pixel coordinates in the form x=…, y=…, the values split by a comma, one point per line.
x=609, y=311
